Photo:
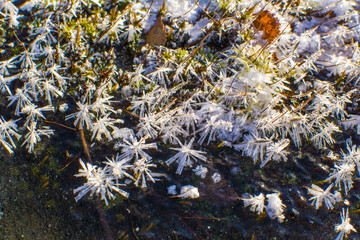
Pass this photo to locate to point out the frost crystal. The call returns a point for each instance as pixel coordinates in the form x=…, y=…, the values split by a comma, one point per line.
x=186, y=156
x=172, y=190
x=143, y=173
x=83, y=116
x=200, y=171
x=189, y=191
x=216, y=177
x=343, y=174
x=8, y=129
x=34, y=135
x=119, y=167
x=344, y=228
x=134, y=148
x=274, y=207
x=99, y=182
x=320, y=196
x=257, y=203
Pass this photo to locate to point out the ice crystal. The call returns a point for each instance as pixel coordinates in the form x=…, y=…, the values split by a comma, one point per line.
x=8, y=129
x=143, y=173
x=34, y=135
x=320, y=196
x=275, y=207
x=188, y=191
x=216, y=177
x=134, y=148
x=172, y=190
x=344, y=228
x=342, y=173
x=275, y=151
x=257, y=203
x=98, y=182
x=83, y=116
x=186, y=156
x=200, y=171
x=102, y=125
x=119, y=167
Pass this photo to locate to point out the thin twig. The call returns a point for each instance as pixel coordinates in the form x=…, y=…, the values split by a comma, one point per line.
x=83, y=141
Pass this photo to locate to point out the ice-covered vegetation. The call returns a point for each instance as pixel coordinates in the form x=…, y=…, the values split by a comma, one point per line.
x=263, y=78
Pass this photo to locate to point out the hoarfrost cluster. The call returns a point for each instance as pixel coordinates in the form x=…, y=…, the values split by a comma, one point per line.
x=223, y=79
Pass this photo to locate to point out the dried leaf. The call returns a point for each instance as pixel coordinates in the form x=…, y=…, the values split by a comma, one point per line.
x=268, y=23
x=157, y=35
x=221, y=192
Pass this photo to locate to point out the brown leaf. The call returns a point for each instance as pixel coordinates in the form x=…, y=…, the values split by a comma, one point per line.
x=157, y=35
x=221, y=193
x=269, y=24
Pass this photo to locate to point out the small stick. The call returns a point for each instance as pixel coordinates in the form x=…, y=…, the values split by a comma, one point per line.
x=83, y=141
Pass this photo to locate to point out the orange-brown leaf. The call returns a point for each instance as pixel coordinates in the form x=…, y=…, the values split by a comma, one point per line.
x=268, y=23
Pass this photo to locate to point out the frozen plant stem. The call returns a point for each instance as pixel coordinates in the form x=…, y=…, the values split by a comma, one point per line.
x=85, y=145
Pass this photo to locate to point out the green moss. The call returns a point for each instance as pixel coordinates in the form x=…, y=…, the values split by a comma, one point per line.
x=35, y=171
